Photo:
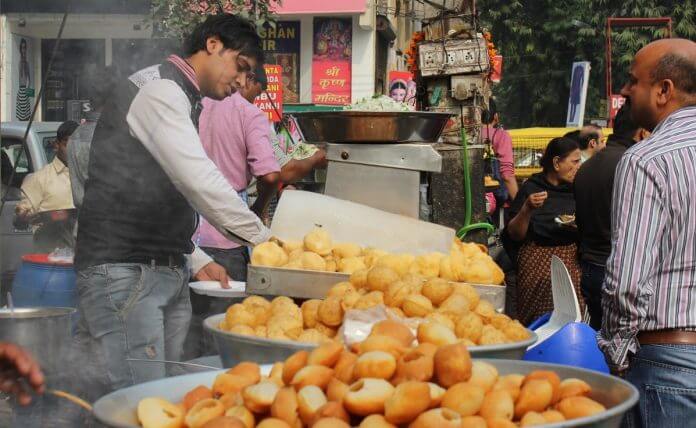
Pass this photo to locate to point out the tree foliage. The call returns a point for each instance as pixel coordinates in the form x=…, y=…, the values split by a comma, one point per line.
x=176, y=18
x=540, y=39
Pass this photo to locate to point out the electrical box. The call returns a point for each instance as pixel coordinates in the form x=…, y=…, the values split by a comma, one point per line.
x=469, y=86
x=454, y=56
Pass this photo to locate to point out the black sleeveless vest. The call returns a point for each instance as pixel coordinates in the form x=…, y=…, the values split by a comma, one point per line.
x=131, y=210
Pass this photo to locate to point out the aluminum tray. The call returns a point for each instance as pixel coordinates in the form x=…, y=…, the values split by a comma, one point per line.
x=351, y=126
x=118, y=409
x=307, y=284
x=235, y=348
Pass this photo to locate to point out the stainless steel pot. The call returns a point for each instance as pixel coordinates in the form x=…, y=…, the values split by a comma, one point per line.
x=45, y=332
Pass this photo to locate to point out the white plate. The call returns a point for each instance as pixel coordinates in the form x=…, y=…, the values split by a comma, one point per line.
x=213, y=288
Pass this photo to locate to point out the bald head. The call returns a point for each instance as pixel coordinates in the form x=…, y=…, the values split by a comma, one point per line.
x=661, y=80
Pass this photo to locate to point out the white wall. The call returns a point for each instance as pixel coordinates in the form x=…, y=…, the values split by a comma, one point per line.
x=46, y=26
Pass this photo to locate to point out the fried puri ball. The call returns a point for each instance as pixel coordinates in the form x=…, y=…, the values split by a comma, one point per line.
x=372, y=255
x=238, y=314
x=579, y=407
x=331, y=312
x=252, y=301
x=341, y=289
x=242, y=329
x=290, y=246
x=469, y=292
x=485, y=310
x=535, y=396
x=464, y=398
x=573, y=387
x=436, y=394
x=359, y=278
x=511, y=383
x=318, y=241
x=532, y=419
x=310, y=310
x=154, y=412
x=242, y=414
x=469, y=326
x=369, y=300
x=273, y=423
x=332, y=414
x=309, y=400
x=381, y=343
x=437, y=290
x=516, y=332
x=428, y=265
x=281, y=302
x=367, y=396
x=351, y=265
x=312, y=375
x=326, y=354
x=435, y=333
x=343, y=369
x=409, y=400
x=446, y=269
x=396, y=293
x=290, y=326
x=553, y=379
x=312, y=261
x=346, y=250
x=324, y=329
x=349, y=300
x=491, y=336
x=483, y=374
x=195, y=395
x=441, y=319
x=375, y=364
x=414, y=365
x=293, y=364
x=380, y=277
x=416, y=305
x=375, y=421
x=268, y=254
x=251, y=371
x=203, y=411
x=285, y=406
x=440, y=417
x=499, y=321
x=454, y=306
x=331, y=264
x=395, y=329
x=452, y=364
x=399, y=263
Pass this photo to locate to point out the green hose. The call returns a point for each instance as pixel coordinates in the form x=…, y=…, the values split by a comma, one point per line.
x=468, y=227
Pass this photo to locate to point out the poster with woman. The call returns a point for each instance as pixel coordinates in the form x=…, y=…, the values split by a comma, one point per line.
x=331, y=61
x=402, y=87
x=23, y=90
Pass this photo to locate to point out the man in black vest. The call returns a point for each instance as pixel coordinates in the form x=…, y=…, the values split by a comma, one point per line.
x=148, y=176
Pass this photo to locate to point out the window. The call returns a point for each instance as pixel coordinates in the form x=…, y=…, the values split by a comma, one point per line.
x=11, y=148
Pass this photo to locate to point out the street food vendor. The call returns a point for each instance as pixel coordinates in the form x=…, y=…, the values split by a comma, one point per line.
x=148, y=176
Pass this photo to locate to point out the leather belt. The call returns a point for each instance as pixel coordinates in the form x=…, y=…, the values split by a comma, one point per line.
x=671, y=336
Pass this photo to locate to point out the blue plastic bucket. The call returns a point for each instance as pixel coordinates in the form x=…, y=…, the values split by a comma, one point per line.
x=40, y=282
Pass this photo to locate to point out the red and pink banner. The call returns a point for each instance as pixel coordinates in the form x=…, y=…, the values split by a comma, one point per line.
x=273, y=95
x=331, y=62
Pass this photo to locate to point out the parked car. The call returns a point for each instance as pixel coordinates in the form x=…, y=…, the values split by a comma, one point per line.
x=16, y=242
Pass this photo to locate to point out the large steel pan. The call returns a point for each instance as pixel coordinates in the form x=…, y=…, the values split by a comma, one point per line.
x=118, y=409
x=350, y=126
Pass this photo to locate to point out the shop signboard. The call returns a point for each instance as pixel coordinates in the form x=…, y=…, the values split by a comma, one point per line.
x=331, y=61
x=271, y=100
x=617, y=101
x=282, y=46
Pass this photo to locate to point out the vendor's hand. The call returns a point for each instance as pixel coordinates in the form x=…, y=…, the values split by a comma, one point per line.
x=536, y=200
x=15, y=364
x=213, y=272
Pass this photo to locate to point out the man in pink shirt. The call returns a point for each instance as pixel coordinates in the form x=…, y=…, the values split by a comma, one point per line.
x=235, y=135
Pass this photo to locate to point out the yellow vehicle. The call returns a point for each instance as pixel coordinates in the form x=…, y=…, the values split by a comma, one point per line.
x=528, y=146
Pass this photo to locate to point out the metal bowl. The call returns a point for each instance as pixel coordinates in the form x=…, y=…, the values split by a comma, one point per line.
x=118, y=409
x=350, y=126
x=235, y=348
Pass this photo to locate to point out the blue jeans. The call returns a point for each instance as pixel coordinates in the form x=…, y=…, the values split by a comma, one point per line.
x=665, y=376
x=131, y=310
x=591, y=286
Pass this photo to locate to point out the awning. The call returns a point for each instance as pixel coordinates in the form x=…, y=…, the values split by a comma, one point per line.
x=308, y=7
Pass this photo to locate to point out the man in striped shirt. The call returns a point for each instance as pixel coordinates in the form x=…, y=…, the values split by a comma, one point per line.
x=649, y=318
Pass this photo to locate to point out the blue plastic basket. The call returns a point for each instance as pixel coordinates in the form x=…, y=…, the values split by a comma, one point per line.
x=574, y=345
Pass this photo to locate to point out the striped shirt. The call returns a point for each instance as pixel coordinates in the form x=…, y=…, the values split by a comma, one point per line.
x=650, y=281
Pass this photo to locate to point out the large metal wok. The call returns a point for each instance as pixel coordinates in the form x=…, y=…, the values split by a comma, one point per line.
x=118, y=409
x=351, y=126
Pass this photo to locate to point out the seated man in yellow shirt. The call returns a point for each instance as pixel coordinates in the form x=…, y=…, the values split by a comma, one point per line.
x=48, y=189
